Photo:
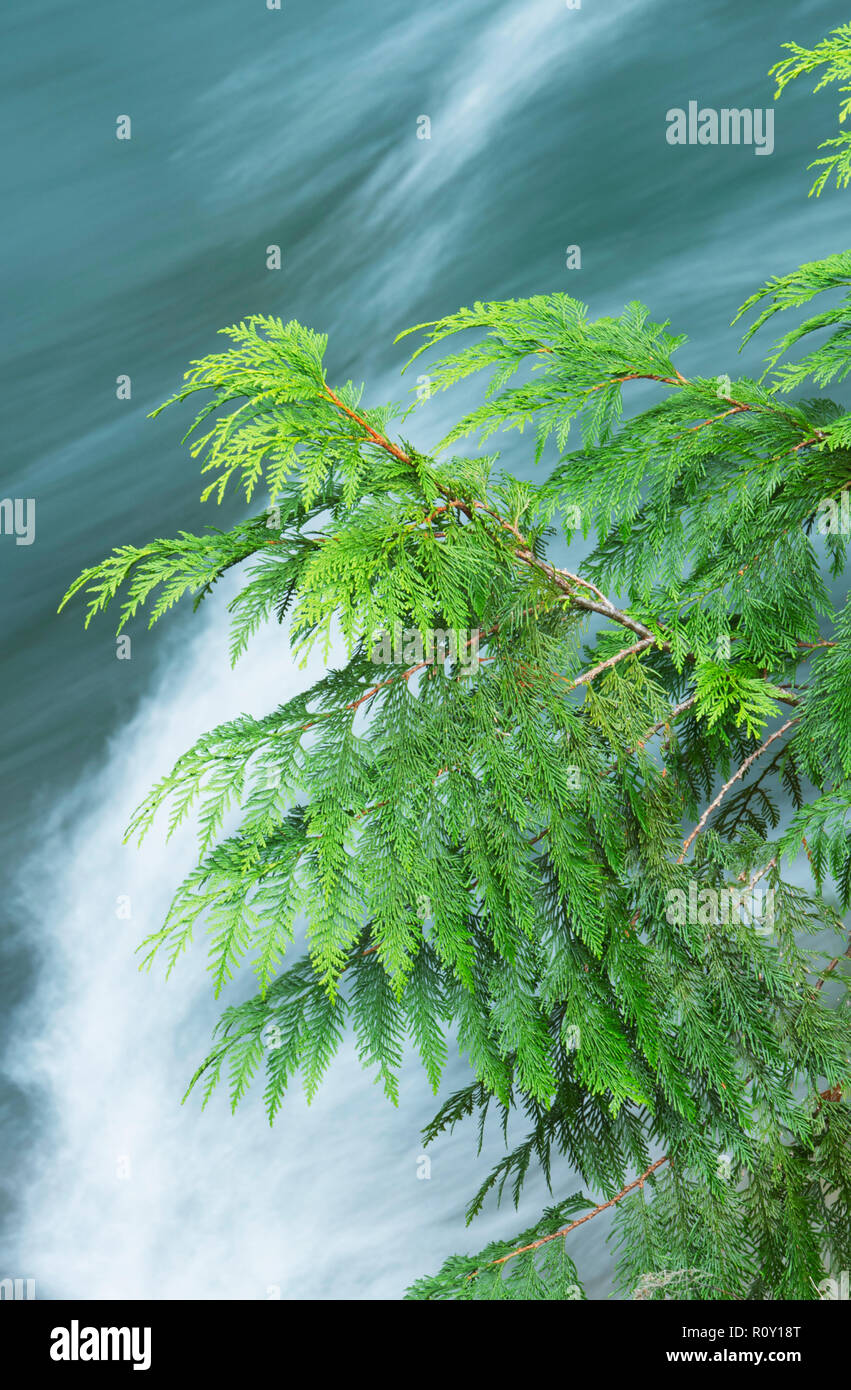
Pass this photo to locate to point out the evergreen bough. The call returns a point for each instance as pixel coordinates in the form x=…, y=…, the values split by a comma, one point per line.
x=489, y=850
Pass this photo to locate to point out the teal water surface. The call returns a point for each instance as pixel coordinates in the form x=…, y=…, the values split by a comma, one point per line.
x=296, y=127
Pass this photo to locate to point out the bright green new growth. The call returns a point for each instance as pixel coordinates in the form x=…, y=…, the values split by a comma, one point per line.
x=535, y=855
x=833, y=55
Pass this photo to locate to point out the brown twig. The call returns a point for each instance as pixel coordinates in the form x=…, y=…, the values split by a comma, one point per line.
x=536, y=1244
x=727, y=785
x=561, y=578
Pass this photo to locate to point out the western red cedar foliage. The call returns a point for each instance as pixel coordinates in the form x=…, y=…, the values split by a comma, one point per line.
x=536, y=811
